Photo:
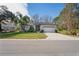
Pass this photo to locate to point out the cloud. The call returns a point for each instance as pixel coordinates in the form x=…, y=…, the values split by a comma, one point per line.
x=17, y=7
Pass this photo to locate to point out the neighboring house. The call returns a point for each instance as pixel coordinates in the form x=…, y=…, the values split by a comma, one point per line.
x=8, y=26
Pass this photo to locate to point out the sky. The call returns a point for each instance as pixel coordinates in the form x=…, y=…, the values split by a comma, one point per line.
x=17, y=7
x=50, y=9
x=30, y=9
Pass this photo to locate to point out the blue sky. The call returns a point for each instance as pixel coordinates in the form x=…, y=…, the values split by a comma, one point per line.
x=51, y=9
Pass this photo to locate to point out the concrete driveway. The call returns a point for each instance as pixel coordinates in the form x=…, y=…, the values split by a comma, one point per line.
x=54, y=45
x=57, y=36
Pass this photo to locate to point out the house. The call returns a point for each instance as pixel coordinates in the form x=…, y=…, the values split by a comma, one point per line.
x=45, y=27
x=48, y=28
x=8, y=26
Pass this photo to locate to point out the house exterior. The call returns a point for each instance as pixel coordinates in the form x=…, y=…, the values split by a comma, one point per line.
x=46, y=27
x=8, y=26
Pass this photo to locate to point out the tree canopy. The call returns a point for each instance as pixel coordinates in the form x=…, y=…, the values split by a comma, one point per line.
x=68, y=18
x=5, y=14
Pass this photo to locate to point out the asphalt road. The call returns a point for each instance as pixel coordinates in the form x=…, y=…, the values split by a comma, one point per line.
x=39, y=47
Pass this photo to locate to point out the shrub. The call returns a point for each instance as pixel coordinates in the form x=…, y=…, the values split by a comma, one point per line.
x=70, y=32
x=65, y=32
x=31, y=29
x=77, y=30
x=42, y=31
x=56, y=31
x=73, y=32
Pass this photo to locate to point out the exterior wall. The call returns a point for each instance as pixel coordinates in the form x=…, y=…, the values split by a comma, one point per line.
x=8, y=26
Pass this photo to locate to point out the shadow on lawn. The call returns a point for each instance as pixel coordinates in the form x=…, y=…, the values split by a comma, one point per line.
x=9, y=34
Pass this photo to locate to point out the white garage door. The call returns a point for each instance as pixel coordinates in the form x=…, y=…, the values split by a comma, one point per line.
x=49, y=30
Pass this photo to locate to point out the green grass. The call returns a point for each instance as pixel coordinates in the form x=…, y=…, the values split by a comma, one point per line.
x=21, y=35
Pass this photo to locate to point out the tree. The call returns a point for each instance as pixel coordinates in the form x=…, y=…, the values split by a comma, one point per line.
x=46, y=19
x=68, y=19
x=35, y=18
x=5, y=14
x=36, y=21
x=23, y=21
x=56, y=19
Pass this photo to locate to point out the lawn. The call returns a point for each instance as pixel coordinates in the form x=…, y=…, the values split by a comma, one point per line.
x=21, y=35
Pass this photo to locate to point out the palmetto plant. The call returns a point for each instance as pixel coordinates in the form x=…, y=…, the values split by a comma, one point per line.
x=24, y=20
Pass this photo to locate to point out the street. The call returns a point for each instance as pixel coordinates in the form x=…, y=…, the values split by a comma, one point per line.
x=39, y=47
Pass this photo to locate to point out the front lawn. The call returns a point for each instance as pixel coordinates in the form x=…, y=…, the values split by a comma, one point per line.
x=21, y=35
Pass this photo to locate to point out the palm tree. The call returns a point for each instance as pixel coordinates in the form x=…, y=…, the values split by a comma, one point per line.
x=23, y=21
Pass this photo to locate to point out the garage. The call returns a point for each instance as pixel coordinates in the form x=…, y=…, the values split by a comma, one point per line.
x=48, y=28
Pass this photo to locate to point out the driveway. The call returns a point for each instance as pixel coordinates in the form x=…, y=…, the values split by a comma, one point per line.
x=57, y=36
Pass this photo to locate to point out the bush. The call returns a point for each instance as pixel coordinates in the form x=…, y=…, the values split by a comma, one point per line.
x=77, y=30
x=73, y=32
x=56, y=31
x=42, y=31
x=70, y=32
x=31, y=29
x=65, y=32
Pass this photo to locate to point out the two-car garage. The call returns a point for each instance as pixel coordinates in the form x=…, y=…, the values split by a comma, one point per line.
x=48, y=28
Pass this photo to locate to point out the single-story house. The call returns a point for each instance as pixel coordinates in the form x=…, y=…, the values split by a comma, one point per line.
x=8, y=26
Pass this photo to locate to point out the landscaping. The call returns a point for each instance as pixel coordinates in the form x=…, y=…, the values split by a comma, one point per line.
x=19, y=26
x=68, y=20
x=22, y=35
